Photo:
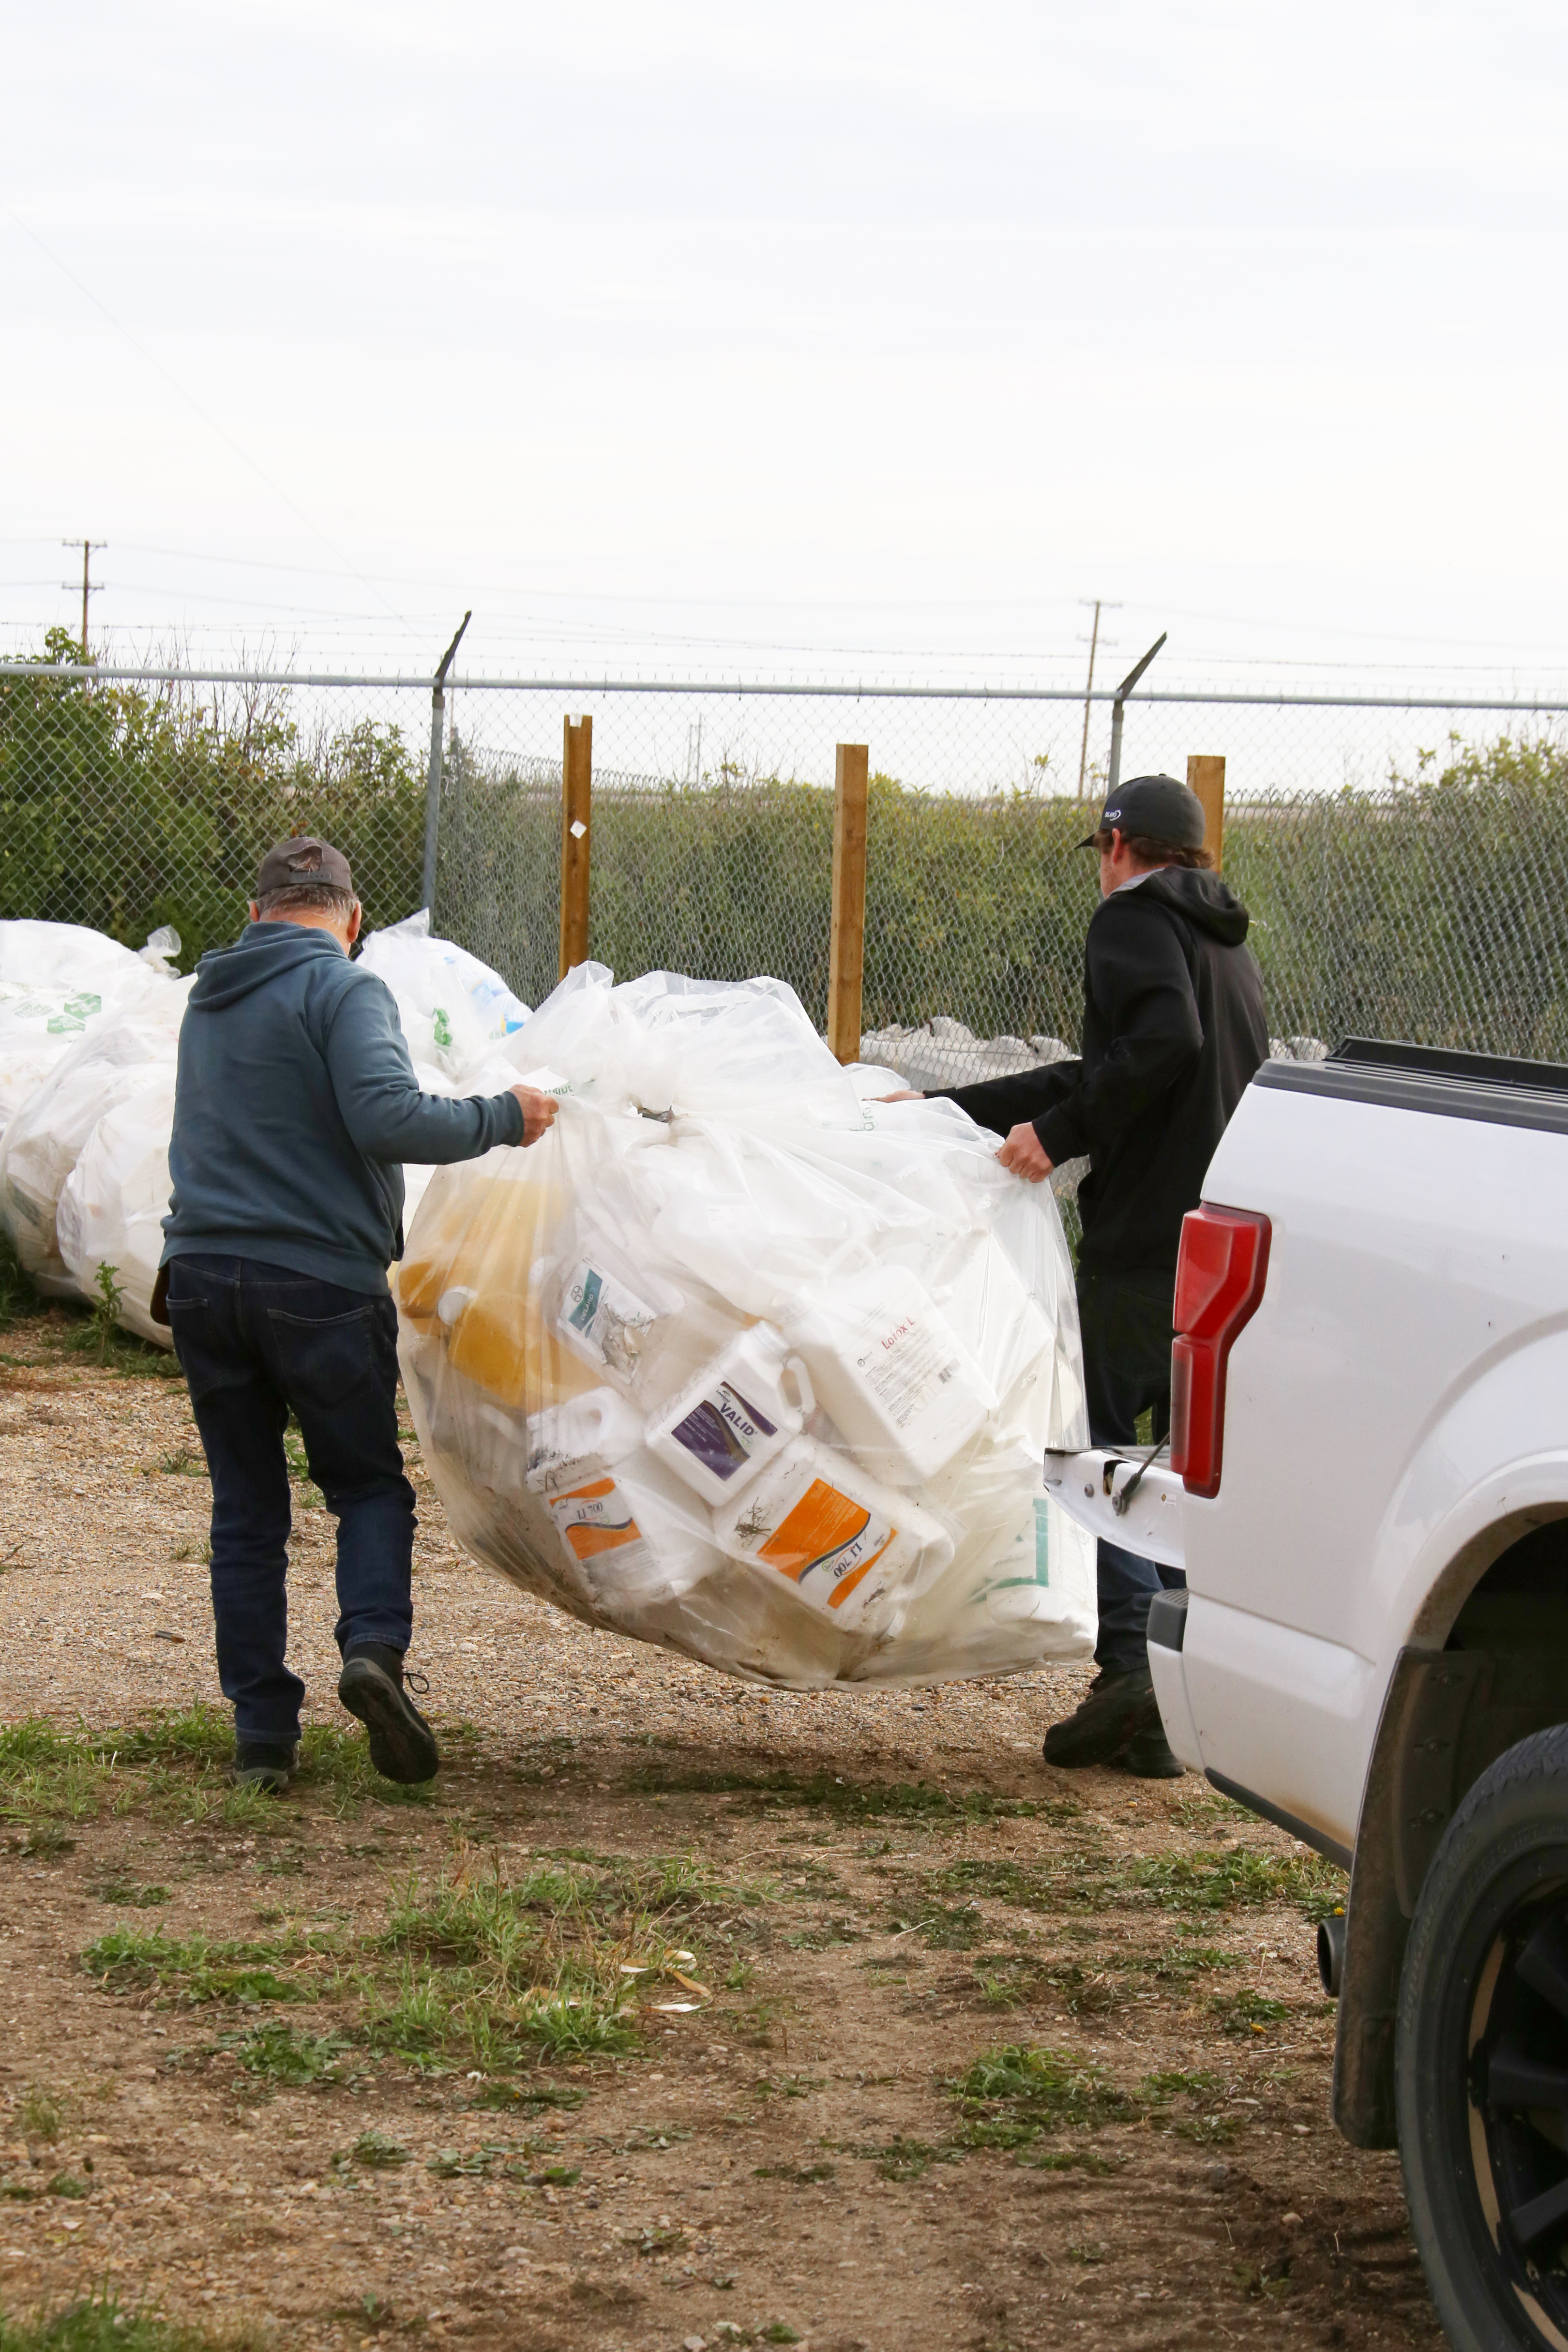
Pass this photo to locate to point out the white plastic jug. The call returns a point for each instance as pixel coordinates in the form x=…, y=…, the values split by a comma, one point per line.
x=633, y=1534
x=844, y=1544
x=605, y=1319
x=889, y=1368
x=725, y=1425
x=601, y=1423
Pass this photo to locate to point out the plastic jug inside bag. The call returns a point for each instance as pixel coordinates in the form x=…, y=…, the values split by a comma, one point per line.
x=740, y=1411
x=607, y=1320
x=842, y=1543
x=633, y=1534
x=891, y=1370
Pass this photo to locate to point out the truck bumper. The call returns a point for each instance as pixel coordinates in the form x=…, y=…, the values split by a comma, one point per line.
x=1167, y=1629
x=1123, y=1497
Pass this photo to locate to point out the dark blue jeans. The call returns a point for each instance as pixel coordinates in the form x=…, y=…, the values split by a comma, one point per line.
x=252, y=1341
x=1126, y=1321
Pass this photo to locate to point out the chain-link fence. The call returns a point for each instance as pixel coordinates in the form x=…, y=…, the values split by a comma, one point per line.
x=1407, y=866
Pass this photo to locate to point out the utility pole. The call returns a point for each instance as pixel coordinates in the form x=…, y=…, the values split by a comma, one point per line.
x=1101, y=605
x=89, y=587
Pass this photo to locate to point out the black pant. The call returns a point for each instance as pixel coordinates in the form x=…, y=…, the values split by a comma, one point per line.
x=254, y=1341
x=1126, y=1321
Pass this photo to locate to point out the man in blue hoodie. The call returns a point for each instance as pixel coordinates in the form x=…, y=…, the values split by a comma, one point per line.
x=295, y=1107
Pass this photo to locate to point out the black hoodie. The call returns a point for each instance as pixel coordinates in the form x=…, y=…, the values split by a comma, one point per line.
x=1173, y=1031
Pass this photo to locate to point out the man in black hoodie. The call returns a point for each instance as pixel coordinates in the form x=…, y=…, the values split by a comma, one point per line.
x=1173, y=1031
x=295, y=1107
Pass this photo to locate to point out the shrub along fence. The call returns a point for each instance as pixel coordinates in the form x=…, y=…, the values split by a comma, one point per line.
x=1407, y=866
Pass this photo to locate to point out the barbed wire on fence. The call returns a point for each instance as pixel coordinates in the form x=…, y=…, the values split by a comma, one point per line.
x=1405, y=863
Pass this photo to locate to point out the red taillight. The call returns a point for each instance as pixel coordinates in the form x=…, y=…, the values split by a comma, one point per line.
x=1220, y=1284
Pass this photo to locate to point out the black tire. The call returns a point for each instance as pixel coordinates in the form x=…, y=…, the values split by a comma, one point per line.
x=1481, y=2059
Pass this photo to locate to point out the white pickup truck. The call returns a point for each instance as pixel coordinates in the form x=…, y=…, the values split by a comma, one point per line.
x=1367, y=1487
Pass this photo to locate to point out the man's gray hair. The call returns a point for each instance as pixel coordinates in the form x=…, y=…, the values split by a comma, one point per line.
x=306, y=899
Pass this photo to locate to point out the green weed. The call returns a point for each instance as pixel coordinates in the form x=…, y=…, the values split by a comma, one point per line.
x=1235, y=1876
x=375, y=2151
x=105, y=1307
x=184, y=1462
x=276, y=2054
x=196, y=1971
x=133, y=1896
x=99, y=2322
x=1012, y=2095
x=39, y=2113
x=1249, y=2012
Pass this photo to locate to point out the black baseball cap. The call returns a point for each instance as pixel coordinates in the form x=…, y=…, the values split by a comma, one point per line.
x=1155, y=806
x=303, y=859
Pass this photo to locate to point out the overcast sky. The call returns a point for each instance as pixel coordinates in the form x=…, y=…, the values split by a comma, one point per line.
x=848, y=338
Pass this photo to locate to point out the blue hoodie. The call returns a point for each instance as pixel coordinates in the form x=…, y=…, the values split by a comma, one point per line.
x=296, y=1105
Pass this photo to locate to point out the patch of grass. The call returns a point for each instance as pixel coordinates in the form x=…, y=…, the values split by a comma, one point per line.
x=196, y=1971
x=337, y=1763
x=202, y=1551
x=1179, y=2083
x=1011, y=2096
x=276, y=2055
x=199, y=1735
x=1248, y=2011
x=1236, y=1876
x=99, y=2322
x=1184, y=1961
x=183, y=1462
x=507, y=2098
x=39, y=2113
x=375, y=2152
x=132, y=1894
x=46, y=1778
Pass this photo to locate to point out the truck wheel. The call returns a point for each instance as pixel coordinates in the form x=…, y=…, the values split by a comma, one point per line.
x=1481, y=2058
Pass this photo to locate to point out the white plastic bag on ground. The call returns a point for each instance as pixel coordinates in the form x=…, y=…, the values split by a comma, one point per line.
x=737, y=1363
x=113, y=1203
x=455, y=1010
x=47, y=1134
x=59, y=982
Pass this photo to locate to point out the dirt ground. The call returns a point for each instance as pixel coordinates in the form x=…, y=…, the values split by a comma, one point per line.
x=680, y=2014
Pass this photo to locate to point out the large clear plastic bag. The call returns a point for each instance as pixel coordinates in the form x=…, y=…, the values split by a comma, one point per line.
x=740, y=1362
x=50, y=1130
x=454, y=1010
x=59, y=982
x=112, y=1204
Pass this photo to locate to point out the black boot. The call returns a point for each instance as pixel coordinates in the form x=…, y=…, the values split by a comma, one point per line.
x=401, y=1744
x=1149, y=1754
x=263, y=1764
x=1118, y=1707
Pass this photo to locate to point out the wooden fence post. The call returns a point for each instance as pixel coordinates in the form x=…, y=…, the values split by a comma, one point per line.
x=577, y=812
x=846, y=952
x=1206, y=776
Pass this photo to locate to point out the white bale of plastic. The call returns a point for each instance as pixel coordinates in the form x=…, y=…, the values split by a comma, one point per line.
x=454, y=1010
x=112, y=1204
x=743, y=1361
x=48, y=1135
x=59, y=982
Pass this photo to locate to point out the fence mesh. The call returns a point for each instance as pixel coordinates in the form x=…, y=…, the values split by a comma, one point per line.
x=1408, y=871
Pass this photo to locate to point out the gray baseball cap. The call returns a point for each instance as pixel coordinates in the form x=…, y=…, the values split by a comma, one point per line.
x=1158, y=807
x=303, y=859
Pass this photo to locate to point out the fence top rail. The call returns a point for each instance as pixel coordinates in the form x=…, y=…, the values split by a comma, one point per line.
x=857, y=692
